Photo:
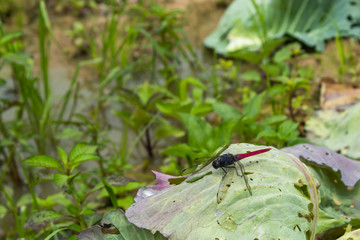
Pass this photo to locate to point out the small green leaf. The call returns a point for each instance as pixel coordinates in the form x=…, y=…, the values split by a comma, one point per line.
x=60, y=180
x=44, y=161
x=40, y=219
x=181, y=150
x=125, y=202
x=199, y=131
x=287, y=130
x=24, y=200
x=225, y=111
x=201, y=109
x=82, y=158
x=80, y=149
x=283, y=54
x=273, y=119
x=110, y=192
x=63, y=156
x=6, y=142
x=70, y=133
x=166, y=130
x=267, y=133
x=9, y=37
x=252, y=109
x=251, y=76
x=3, y=211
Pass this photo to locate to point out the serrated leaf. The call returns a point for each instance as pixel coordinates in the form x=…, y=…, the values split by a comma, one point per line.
x=80, y=159
x=44, y=161
x=80, y=149
x=60, y=180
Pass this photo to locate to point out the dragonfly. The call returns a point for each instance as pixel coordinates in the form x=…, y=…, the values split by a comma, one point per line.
x=228, y=160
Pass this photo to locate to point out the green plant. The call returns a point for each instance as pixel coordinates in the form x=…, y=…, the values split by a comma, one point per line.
x=75, y=202
x=286, y=85
x=74, y=205
x=141, y=115
x=161, y=32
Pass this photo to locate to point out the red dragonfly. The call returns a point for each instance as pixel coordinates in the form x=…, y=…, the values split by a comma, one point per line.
x=228, y=160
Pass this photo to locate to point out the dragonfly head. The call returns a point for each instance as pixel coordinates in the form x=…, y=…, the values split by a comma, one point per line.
x=216, y=163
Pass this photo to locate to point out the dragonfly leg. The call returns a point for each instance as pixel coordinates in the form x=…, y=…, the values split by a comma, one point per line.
x=237, y=173
x=224, y=171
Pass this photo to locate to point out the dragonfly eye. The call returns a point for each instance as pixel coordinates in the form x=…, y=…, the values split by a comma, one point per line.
x=216, y=164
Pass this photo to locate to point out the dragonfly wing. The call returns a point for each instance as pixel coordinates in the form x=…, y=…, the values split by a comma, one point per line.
x=242, y=169
x=224, y=186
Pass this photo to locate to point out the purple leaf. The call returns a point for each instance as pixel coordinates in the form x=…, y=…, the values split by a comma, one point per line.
x=321, y=156
x=162, y=182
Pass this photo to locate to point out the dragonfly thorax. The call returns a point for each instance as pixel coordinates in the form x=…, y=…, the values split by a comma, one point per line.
x=224, y=160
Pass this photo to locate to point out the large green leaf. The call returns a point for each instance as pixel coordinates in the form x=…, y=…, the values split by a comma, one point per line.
x=284, y=204
x=248, y=24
